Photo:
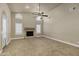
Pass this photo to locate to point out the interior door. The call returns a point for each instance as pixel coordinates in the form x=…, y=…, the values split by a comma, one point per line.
x=4, y=31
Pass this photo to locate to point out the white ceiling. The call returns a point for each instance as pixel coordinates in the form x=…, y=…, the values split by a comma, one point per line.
x=33, y=7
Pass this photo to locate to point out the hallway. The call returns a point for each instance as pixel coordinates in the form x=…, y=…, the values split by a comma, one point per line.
x=39, y=47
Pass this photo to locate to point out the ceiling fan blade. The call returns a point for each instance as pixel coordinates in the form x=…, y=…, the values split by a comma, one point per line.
x=35, y=13
x=40, y=13
x=45, y=15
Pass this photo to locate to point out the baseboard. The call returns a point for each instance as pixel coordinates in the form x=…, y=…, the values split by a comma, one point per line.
x=30, y=37
x=23, y=37
x=17, y=38
x=9, y=41
x=69, y=43
x=27, y=37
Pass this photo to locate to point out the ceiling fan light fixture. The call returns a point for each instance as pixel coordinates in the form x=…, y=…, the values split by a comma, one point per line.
x=40, y=13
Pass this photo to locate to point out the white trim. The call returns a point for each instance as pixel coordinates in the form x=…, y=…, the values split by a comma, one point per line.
x=9, y=41
x=27, y=37
x=31, y=37
x=17, y=38
x=73, y=44
x=22, y=37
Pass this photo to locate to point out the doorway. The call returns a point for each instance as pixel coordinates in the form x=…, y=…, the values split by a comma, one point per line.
x=4, y=30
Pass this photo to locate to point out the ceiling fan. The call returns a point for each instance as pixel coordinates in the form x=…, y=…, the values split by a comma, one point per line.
x=40, y=13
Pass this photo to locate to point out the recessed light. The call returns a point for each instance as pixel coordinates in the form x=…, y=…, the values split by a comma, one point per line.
x=27, y=7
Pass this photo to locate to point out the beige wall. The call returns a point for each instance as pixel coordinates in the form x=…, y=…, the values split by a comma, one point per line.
x=4, y=8
x=28, y=21
x=63, y=23
x=13, y=25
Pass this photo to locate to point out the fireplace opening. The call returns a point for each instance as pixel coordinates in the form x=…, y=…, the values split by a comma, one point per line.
x=29, y=33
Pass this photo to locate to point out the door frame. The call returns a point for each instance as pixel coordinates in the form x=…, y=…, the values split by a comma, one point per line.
x=4, y=14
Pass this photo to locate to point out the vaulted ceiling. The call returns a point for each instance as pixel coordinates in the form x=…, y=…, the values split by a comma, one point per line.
x=32, y=7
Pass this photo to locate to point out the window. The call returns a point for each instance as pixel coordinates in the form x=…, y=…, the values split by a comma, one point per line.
x=4, y=25
x=18, y=24
x=38, y=25
x=18, y=28
x=38, y=28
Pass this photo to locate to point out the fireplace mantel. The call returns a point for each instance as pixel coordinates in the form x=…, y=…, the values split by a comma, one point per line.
x=26, y=29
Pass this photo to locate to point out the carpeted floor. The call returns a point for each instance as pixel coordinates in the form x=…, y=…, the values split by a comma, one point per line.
x=39, y=47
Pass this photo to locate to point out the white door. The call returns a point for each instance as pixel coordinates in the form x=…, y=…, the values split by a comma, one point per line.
x=4, y=31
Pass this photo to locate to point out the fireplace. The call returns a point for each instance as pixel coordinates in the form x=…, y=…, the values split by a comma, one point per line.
x=29, y=33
